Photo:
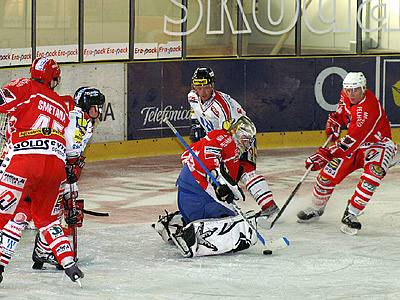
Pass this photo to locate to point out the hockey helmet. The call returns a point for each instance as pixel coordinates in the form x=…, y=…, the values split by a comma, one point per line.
x=203, y=76
x=243, y=133
x=85, y=97
x=45, y=70
x=355, y=80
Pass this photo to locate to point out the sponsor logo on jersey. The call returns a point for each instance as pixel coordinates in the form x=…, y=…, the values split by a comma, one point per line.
x=333, y=166
x=57, y=205
x=323, y=180
x=20, y=218
x=56, y=232
x=377, y=170
x=62, y=249
x=7, y=201
x=212, y=152
x=346, y=143
x=369, y=187
x=41, y=144
x=13, y=180
x=360, y=201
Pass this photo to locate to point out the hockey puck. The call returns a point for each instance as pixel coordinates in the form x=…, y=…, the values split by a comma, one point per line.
x=267, y=252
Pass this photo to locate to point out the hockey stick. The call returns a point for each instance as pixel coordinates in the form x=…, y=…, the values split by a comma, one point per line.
x=297, y=187
x=236, y=208
x=73, y=227
x=96, y=213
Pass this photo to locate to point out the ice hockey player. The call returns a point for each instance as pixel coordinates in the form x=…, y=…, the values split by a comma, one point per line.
x=38, y=118
x=210, y=226
x=210, y=109
x=367, y=145
x=89, y=103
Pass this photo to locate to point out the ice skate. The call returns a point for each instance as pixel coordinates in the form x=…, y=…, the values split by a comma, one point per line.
x=266, y=217
x=310, y=214
x=74, y=273
x=351, y=225
x=40, y=256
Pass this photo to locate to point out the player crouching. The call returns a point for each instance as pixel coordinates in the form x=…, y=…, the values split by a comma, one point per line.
x=206, y=223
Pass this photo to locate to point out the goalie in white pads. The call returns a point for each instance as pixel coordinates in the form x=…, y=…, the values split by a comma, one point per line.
x=367, y=145
x=206, y=223
x=210, y=110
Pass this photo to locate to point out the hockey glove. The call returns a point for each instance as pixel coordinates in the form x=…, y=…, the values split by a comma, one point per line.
x=73, y=168
x=73, y=216
x=319, y=159
x=196, y=131
x=332, y=127
x=224, y=193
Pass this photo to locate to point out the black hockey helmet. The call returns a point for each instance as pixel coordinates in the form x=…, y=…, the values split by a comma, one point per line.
x=85, y=97
x=203, y=76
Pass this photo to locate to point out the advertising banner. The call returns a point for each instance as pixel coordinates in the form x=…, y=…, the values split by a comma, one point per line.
x=279, y=95
x=17, y=56
x=391, y=90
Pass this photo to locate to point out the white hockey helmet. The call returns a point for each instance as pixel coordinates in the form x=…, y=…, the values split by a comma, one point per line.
x=243, y=133
x=355, y=80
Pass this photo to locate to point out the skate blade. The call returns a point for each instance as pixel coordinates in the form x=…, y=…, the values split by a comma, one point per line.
x=348, y=230
x=308, y=221
x=78, y=281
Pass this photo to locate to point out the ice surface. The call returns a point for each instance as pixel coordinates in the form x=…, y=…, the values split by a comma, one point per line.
x=124, y=258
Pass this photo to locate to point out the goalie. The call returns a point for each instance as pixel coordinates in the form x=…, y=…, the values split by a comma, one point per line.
x=206, y=223
x=367, y=145
x=210, y=110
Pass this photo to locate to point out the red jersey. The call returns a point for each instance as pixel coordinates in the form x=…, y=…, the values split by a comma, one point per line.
x=216, y=147
x=38, y=117
x=366, y=122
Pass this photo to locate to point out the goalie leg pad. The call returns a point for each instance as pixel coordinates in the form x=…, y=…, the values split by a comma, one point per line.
x=167, y=224
x=215, y=236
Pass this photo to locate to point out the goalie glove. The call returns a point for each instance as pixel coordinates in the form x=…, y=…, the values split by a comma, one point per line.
x=319, y=159
x=73, y=168
x=333, y=127
x=228, y=190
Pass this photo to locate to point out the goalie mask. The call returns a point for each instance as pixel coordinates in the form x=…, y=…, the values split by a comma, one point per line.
x=243, y=133
x=203, y=77
x=90, y=100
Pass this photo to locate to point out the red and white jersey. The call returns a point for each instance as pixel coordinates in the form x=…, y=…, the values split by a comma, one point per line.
x=216, y=147
x=212, y=113
x=37, y=118
x=367, y=123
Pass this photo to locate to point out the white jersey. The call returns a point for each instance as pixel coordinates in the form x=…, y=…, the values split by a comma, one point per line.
x=78, y=132
x=212, y=113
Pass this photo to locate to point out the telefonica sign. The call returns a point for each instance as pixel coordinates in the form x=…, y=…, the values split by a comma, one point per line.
x=380, y=9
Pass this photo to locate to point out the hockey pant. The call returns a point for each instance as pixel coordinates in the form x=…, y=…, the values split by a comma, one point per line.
x=43, y=185
x=214, y=236
x=195, y=203
x=374, y=160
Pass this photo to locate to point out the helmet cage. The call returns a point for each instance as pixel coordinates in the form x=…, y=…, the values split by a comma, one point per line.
x=243, y=133
x=86, y=97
